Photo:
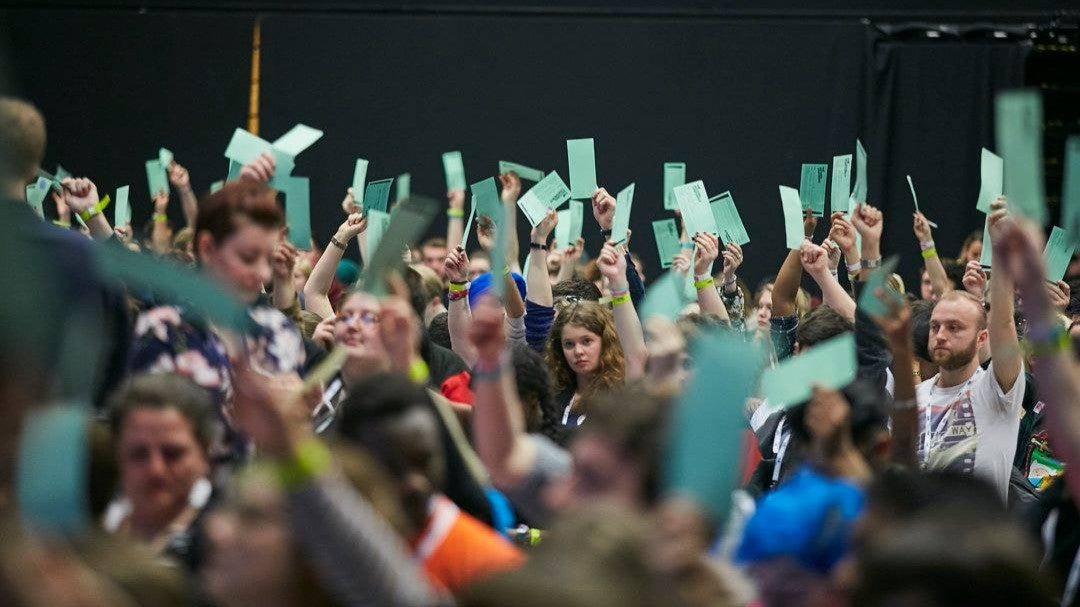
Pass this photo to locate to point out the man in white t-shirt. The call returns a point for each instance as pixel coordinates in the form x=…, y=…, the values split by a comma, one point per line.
x=969, y=417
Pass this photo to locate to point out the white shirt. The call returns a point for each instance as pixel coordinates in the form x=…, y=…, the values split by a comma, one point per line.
x=971, y=427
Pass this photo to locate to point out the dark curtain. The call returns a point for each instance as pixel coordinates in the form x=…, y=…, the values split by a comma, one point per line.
x=928, y=108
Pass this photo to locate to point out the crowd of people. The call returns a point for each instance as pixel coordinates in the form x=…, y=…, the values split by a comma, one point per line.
x=476, y=429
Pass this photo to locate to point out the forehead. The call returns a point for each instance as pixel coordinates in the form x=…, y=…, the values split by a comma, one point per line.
x=432, y=249
x=249, y=233
x=955, y=310
x=575, y=332
x=147, y=423
x=360, y=302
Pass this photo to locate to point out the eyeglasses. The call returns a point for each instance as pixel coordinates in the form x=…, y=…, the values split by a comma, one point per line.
x=366, y=317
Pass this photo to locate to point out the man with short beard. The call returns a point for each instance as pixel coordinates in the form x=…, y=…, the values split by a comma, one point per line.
x=968, y=417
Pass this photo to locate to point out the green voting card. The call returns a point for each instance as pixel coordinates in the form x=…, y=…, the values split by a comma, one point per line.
x=666, y=297
x=879, y=279
x=581, y=158
x=298, y=139
x=568, y=230
x=122, y=211
x=61, y=173
x=621, y=222
x=840, y=199
x=54, y=181
x=812, y=187
x=468, y=228
x=860, y=191
x=244, y=147
x=987, y=259
x=35, y=195
x=830, y=364
x=991, y=170
x=157, y=178
x=666, y=233
x=297, y=191
x=498, y=254
x=1058, y=253
x=522, y=171
x=217, y=185
x=403, y=187
x=914, y=197
x=705, y=450
x=728, y=221
x=674, y=176
x=693, y=203
x=577, y=220
x=378, y=222
x=1019, y=117
x=454, y=169
x=53, y=477
x=793, y=217
x=408, y=223
x=486, y=201
x=165, y=157
x=234, y=171
x=377, y=195
x=1070, y=189
x=359, y=177
x=550, y=193
x=562, y=229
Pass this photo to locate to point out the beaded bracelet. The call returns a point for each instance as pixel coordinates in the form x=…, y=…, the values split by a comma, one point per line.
x=457, y=295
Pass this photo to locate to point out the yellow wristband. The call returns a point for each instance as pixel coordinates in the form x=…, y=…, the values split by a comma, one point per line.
x=62, y=224
x=620, y=299
x=418, y=371
x=704, y=283
x=312, y=458
x=97, y=208
x=161, y=217
x=928, y=253
x=457, y=288
x=455, y=212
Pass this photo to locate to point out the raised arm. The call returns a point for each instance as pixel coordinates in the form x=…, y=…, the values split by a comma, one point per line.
x=938, y=280
x=731, y=294
x=511, y=189
x=707, y=249
x=896, y=325
x=815, y=260
x=282, y=263
x=455, y=218
x=788, y=278
x=538, y=283
x=612, y=264
x=843, y=234
x=1004, y=345
x=181, y=182
x=161, y=234
x=458, y=314
x=869, y=223
x=317, y=287
x=81, y=196
x=570, y=257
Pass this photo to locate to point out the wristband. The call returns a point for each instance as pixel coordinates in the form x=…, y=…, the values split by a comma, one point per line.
x=337, y=243
x=730, y=281
x=418, y=371
x=484, y=373
x=928, y=253
x=537, y=245
x=62, y=224
x=161, y=217
x=702, y=276
x=94, y=210
x=926, y=245
x=310, y=459
x=455, y=213
x=457, y=295
x=870, y=264
x=620, y=299
x=618, y=292
x=905, y=404
x=853, y=268
x=705, y=283
x=457, y=287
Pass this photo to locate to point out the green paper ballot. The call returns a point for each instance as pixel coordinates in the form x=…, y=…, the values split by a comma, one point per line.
x=61, y=173
x=403, y=187
x=987, y=259
x=298, y=139
x=454, y=168
x=693, y=202
x=550, y=193
x=704, y=454
x=666, y=233
x=568, y=230
x=54, y=181
x=812, y=187
x=468, y=228
x=860, y=191
x=1070, y=188
x=879, y=279
x=840, y=199
x=234, y=171
x=581, y=158
x=914, y=198
x=674, y=176
x=830, y=364
x=244, y=147
x=793, y=217
x=377, y=195
x=522, y=171
x=217, y=185
x=378, y=222
x=1058, y=253
x=157, y=178
x=992, y=171
x=297, y=191
x=486, y=201
x=562, y=229
x=359, y=176
x=122, y=211
x=577, y=220
x=728, y=221
x=408, y=223
x=53, y=470
x=1019, y=139
x=621, y=222
x=498, y=254
x=666, y=297
x=165, y=157
x=35, y=195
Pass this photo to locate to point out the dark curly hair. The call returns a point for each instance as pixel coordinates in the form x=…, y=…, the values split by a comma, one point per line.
x=534, y=390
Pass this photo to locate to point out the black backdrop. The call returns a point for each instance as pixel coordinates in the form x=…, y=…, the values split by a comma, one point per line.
x=743, y=101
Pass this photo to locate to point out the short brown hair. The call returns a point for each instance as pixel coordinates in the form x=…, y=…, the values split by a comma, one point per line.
x=434, y=242
x=246, y=198
x=164, y=391
x=22, y=139
x=957, y=295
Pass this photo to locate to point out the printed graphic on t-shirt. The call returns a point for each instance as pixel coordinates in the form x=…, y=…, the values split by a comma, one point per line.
x=952, y=436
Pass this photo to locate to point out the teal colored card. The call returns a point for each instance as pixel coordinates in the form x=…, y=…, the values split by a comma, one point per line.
x=298, y=139
x=728, y=221
x=378, y=222
x=562, y=229
x=377, y=195
x=812, y=186
x=408, y=223
x=61, y=173
x=577, y=220
x=914, y=197
x=693, y=203
x=522, y=171
x=403, y=187
x=793, y=217
x=454, y=169
x=499, y=255
x=830, y=364
x=991, y=170
x=486, y=201
x=568, y=230
x=840, y=196
x=54, y=181
x=987, y=259
x=581, y=158
x=156, y=178
x=666, y=297
x=674, y=176
x=468, y=228
x=704, y=453
x=1059, y=251
x=244, y=147
x=1070, y=189
x=53, y=482
x=861, y=161
x=359, y=179
x=234, y=171
x=1019, y=139
x=217, y=185
x=621, y=222
x=550, y=193
x=879, y=279
x=122, y=210
x=297, y=192
x=666, y=233
x=35, y=195
x=165, y=157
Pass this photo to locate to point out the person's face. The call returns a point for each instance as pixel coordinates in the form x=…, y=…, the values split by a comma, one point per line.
x=954, y=334
x=434, y=258
x=599, y=473
x=973, y=251
x=554, y=262
x=241, y=261
x=251, y=556
x=299, y=279
x=764, y=309
x=357, y=328
x=926, y=287
x=581, y=347
x=160, y=460
x=409, y=447
x=478, y=266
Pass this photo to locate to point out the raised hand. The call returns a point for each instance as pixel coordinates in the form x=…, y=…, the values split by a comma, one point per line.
x=868, y=222
x=511, y=187
x=896, y=322
x=542, y=230
x=261, y=168
x=283, y=260
x=809, y=223
x=485, y=235
x=400, y=332
x=708, y=249
x=681, y=262
x=353, y=226
x=998, y=218
x=1059, y=294
x=348, y=204
x=324, y=332
x=834, y=253
x=815, y=259
x=161, y=202
x=270, y=409
x=842, y=232
x=487, y=332
x=733, y=258
x=63, y=211
x=123, y=233
x=455, y=199
x=80, y=194
x=457, y=265
x=178, y=176
x=921, y=228
x=975, y=279
x=603, y=208
x=612, y=264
